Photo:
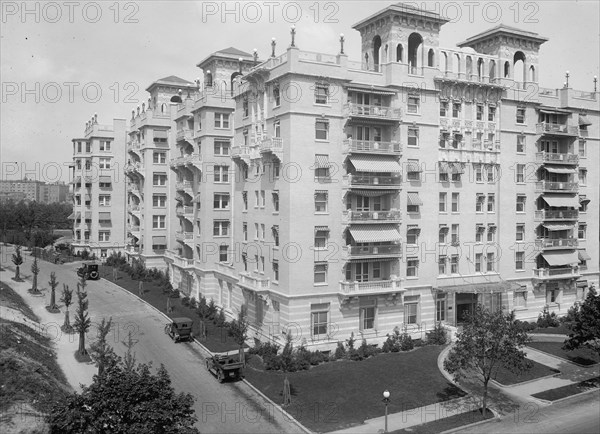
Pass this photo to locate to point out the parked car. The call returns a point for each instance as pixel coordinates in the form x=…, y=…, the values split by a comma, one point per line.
x=89, y=270
x=224, y=366
x=180, y=329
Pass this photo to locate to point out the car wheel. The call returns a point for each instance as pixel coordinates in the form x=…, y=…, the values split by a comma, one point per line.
x=94, y=275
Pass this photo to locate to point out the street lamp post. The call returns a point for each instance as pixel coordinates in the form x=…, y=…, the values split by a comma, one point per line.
x=386, y=401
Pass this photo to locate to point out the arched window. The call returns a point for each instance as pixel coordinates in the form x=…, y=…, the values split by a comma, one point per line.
x=431, y=57
x=479, y=68
x=176, y=99
x=492, y=73
x=367, y=61
x=469, y=67
x=233, y=76
x=376, y=52
x=506, y=69
x=163, y=108
x=399, y=52
x=532, y=74
x=456, y=64
x=519, y=72
x=386, y=58
x=415, y=51
x=443, y=61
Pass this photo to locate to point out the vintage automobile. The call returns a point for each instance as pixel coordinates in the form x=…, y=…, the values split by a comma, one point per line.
x=224, y=366
x=89, y=270
x=180, y=329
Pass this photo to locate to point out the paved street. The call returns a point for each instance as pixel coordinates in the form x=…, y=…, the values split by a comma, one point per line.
x=220, y=408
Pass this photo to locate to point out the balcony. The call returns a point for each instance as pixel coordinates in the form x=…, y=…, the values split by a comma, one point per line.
x=389, y=216
x=371, y=147
x=556, y=243
x=255, y=283
x=565, y=187
x=370, y=288
x=372, y=181
x=371, y=251
x=273, y=145
x=185, y=186
x=184, y=134
x=178, y=260
x=556, y=215
x=556, y=273
x=194, y=159
x=134, y=209
x=134, y=189
x=186, y=212
x=221, y=267
x=134, y=231
x=372, y=112
x=134, y=168
x=557, y=129
x=184, y=236
x=556, y=158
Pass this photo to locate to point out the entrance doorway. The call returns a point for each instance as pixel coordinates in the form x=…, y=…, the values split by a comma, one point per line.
x=465, y=304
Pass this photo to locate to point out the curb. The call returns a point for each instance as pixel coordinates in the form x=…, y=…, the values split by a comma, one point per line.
x=568, y=397
x=563, y=359
x=481, y=422
x=522, y=383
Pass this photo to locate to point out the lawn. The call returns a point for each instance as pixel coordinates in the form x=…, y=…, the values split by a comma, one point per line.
x=9, y=298
x=560, y=330
x=507, y=378
x=581, y=356
x=339, y=394
x=569, y=390
x=217, y=339
x=448, y=423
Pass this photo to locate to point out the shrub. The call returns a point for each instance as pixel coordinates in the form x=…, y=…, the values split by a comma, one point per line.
x=185, y=300
x=392, y=343
x=406, y=342
x=193, y=302
x=202, y=310
x=340, y=351
x=438, y=335
x=571, y=315
x=547, y=319
x=211, y=310
x=220, y=318
x=265, y=349
x=174, y=293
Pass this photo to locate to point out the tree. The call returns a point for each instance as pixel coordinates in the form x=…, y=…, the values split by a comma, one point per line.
x=17, y=259
x=238, y=330
x=35, y=269
x=129, y=359
x=100, y=352
x=126, y=401
x=66, y=298
x=585, y=329
x=53, y=284
x=82, y=321
x=489, y=341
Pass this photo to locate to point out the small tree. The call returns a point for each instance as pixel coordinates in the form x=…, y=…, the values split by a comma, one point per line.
x=585, y=329
x=35, y=269
x=129, y=359
x=488, y=342
x=82, y=321
x=67, y=299
x=238, y=330
x=53, y=284
x=102, y=353
x=17, y=259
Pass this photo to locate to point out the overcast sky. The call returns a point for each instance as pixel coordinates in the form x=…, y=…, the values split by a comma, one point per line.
x=56, y=50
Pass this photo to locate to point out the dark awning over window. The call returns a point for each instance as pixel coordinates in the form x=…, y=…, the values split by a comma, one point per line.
x=559, y=258
x=583, y=121
x=104, y=216
x=375, y=163
x=157, y=239
x=414, y=199
x=161, y=134
x=374, y=233
x=583, y=255
x=322, y=162
x=372, y=193
x=105, y=179
x=561, y=200
x=559, y=169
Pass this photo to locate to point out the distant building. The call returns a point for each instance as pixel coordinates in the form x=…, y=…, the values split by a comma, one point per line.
x=31, y=190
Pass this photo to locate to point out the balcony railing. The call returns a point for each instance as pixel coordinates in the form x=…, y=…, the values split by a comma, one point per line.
x=551, y=157
x=372, y=147
x=373, y=180
x=274, y=144
x=561, y=129
x=183, y=185
x=134, y=229
x=393, y=215
x=134, y=209
x=372, y=111
x=185, y=211
x=570, y=187
x=134, y=167
x=556, y=243
x=183, y=236
x=371, y=250
x=556, y=273
x=373, y=287
x=133, y=188
x=184, y=134
x=556, y=215
x=254, y=282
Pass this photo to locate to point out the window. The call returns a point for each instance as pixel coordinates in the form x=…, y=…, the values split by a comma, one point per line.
x=455, y=202
x=256, y=231
x=104, y=163
x=491, y=233
x=262, y=199
x=520, y=233
x=413, y=136
x=478, y=260
x=245, y=108
x=520, y=298
x=78, y=146
x=159, y=200
x=479, y=114
x=490, y=173
x=413, y=104
x=520, y=115
x=222, y=120
x=88, y=147
x=88, y=164
x=519, y=260
x=444, y=139
x=262, y=231
x=582, y=176
x=582, y=149
x=159, y=179
x=367, y=316
x=220, y=228
x=413, y=170
x=442, y=265
x=276, y=169
x=442, y=234
x=490, y=260
x=491, y=114
x=159, y=222
x=440, y=307
x=520, y=144
x=221, y=174
x=412, y=235
x=583, y=203
x=256, y=198
x=245, y=200
x=159, y=157
x=552, y=295
x=245, y=231
x=411, y=309
x=223, y=253
x=275, y=196
x=320, y=272
x=412, y=267
x=444, y=108
x=275, y=265
x=479, y=230
x=456, y=109
x=321, y=93
x=105, y=145
x=443, y=197
x=322, y=129
x=104, y=200
x=582, y=231
x=521, y=198
x=319, y=314
x=221, y=201
x=221, y=147
x=321, y=237
x=321, y=201
x=275, y=230
x=277, y=128
x=454, y=264
x=491, y=203
x=478, y=173
x=276, y=96
x=454, y=234
x=520, y=173
x=262, y=264
x=479, y=201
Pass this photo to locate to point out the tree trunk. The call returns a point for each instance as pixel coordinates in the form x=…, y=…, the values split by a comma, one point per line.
x=17, y=273
x=34, y=286
x=67, y=324
x=52, y=299
x=82, y=343
x=484, y=403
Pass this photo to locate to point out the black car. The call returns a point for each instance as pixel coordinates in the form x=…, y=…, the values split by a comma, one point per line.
x=89, y=271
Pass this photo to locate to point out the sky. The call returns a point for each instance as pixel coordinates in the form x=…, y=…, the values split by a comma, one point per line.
x=62, y=62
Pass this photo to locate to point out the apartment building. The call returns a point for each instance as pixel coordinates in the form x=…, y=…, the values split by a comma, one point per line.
x=99, y=194
x=151, y=218
x=395, y=191
x=26, y=189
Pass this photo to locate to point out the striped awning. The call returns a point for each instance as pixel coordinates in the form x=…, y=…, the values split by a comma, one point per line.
x=559, y=169
x=553, y=110
x=480, y=228
x=582, y=283
x=414, y=199
x=444, y=167
x=557, y=226
x=366, y=88
x=161, y=134
x=583, y=121
x=159, y=239
x=372, y=193
x=373, y=260
x=375, y=163
x=583, y=255
x=104, y=216
x=321, y=229
x=560, y=258
x=105, y=179
x=71, y=216
x=480, y=288
x=561, y=200
x=584, y=200
x=322, y=162
x=374, y=233
x=456, y=168
x=77, y=215
x=77, y=180
x=413, y=166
